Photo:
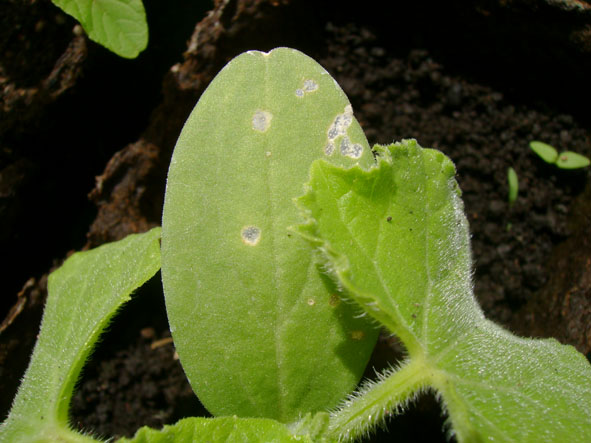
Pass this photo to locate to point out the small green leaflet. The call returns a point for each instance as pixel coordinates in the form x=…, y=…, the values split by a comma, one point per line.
x=545, y=151
x=118, y=25
x=396, y=238
x=572, y=160
x=83, y=295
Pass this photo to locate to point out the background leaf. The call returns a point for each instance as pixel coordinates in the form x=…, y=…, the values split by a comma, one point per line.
x=513, y=183
x=83, y=295
x=544, y=151
x=397, y=239
x=572, y=160
x=260, y=331
x=118, y=25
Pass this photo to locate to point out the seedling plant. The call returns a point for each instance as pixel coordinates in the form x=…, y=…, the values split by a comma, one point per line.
x=513, y=183
x=286, y=244
x=563, y=160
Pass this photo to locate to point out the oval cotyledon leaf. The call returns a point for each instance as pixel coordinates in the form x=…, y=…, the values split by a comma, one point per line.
x=259, y=328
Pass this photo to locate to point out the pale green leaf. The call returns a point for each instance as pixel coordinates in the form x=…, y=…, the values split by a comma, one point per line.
x=259, y=329
x=218, y=430
x=118, y=25
x=397, y=239
x=545, y=152
x=83, y=295
x=572, y=160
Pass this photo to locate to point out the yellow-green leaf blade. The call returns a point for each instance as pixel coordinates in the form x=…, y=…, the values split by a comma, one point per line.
x=259, y=329
x=545, y=151
x=83, y=295
x=572, y=160
x=516, y=389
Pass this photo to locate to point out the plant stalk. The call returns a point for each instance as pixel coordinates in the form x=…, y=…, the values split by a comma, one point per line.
x=376, y=400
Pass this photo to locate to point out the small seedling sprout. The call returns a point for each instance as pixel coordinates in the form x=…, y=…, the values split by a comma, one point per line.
x=513, y=185
x=564, y=160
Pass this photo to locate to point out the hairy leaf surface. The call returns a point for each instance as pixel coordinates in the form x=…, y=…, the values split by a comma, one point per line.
x=260, y=331
x=118, y=25
x=397, y=239
x=83, y=295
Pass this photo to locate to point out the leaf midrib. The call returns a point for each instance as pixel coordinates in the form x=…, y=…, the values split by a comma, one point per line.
x=271, y=204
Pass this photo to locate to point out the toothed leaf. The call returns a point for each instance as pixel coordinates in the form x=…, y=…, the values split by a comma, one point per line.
x=397, y=239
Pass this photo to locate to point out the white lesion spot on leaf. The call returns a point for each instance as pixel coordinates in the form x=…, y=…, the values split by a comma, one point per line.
x=311, y=302
x=341, y=123
x=353, y=150
x=261, y=120
x=309, y=86
x=251, y=235
x=329, y=148
x=338, y=130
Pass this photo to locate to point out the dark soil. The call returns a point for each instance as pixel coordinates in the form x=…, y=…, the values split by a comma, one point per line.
x=532, y=264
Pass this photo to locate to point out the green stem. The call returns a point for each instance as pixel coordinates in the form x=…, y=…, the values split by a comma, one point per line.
x=376, y=400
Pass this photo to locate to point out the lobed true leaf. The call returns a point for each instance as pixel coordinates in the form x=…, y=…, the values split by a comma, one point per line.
x=397, y=240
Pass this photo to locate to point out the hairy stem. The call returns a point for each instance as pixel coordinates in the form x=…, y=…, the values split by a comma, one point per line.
x=375, y=400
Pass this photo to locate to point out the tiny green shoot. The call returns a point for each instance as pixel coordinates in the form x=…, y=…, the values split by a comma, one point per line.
x=513, y=183
x=563, y=160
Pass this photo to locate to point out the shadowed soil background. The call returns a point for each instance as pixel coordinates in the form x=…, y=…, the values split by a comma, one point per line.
x=86, y=137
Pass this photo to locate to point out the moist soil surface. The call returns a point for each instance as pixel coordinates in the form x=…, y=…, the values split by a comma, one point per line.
x=411, y=90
